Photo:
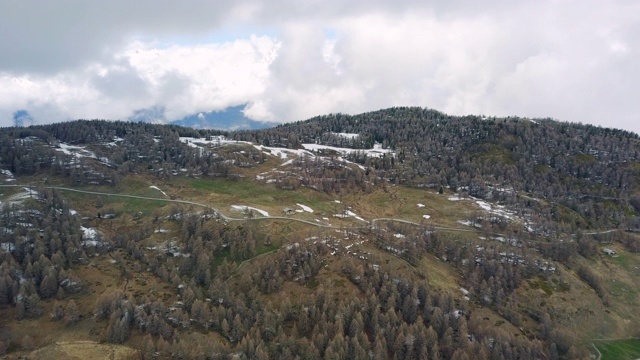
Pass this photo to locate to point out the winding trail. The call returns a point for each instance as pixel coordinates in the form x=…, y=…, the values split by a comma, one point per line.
x=372, y=222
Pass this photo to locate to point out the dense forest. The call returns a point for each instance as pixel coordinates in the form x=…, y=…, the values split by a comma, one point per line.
x=569, y=180
x=591, y=170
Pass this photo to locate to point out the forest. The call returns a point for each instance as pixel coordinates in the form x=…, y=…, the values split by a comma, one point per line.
x=175, y=280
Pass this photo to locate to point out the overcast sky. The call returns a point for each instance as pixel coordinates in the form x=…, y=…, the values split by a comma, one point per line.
x=289, y=60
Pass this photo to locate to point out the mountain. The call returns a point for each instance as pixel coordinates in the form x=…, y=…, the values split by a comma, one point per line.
x=231, y=119
x=22, y=118
x=398, y=233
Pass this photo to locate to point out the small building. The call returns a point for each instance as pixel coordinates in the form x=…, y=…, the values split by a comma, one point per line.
x=609, y=252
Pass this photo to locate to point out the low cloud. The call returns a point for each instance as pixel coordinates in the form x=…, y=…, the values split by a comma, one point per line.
x=575, y=61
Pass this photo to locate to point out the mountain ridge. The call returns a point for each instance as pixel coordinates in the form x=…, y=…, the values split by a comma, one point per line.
x=476, y=237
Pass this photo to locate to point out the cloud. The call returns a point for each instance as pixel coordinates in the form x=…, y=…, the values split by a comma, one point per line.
x=290, y=60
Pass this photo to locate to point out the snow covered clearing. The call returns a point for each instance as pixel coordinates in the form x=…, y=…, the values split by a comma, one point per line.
x=306, y=208
x=114, y=142
x=79, y=152
x=247, y=208
x=498, y=210
x=157, y=188
x=349, y=213
x=213, y=141
x=283, y=153
x=377, y=150
x=420, y=205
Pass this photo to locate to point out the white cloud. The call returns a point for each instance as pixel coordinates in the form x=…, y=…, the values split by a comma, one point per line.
x=576, y=61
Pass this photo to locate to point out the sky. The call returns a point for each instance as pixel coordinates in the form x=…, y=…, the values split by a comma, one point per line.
x=288, y=60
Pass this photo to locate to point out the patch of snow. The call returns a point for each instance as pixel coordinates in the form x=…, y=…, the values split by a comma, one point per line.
x=7, y=173
x=484, y=205
x=214, y=141
x=468, y=223
x=420, y=205
x=455, y=198
x=77, y=151
x=349, y=213
x=288, y=162
x=337, y=201
x=7, y=247
x=246, y=208
x=399, y=236
x=19, y=197
x=427, y=217
x=161, y=231
x=347, y=135
x=157, y=188
x=88, y=233
x=340, y=158
x=306, y=208
x=377, y=150
x=73, y=212
x=499, y=210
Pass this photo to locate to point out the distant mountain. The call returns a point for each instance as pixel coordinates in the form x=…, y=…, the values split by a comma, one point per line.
x=231, y=118
x=154, y=114
x=22, y=118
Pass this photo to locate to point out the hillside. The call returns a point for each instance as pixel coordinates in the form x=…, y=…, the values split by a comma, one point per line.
x=401, y=233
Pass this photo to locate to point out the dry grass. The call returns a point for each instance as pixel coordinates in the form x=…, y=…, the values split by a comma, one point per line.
x=84, y=350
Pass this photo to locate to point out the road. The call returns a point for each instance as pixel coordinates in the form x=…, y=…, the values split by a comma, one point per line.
x=371, y=222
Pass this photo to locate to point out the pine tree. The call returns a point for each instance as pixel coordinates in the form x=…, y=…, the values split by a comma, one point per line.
x=71, y=313
x=57, y=312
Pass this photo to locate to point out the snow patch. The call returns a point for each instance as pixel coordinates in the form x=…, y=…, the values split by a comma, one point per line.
x=427, y=217
x=306, y=208
x=89, y=237
x=157, y=188
x=420, y=205
x=468, y=223
x=349, y=213
x=377, y=150
x=8, y=174
x=89, y=233
x=347, y=135
x=7, y=247
x=455, y=198
x=247, y=208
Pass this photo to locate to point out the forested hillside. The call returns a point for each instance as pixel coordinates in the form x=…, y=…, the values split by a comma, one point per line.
x=403, y=234
x=591, y=170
